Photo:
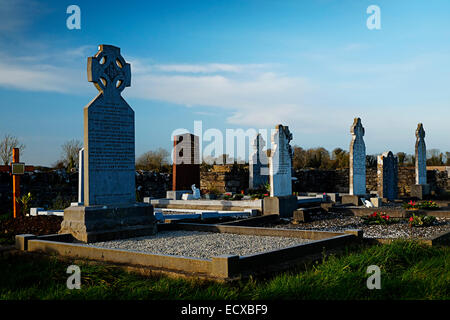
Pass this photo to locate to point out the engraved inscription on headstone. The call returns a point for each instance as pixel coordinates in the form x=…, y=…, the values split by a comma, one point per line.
x=109, y=134
x=387, y=171
x=421, y=156
x=357, y=158
x=258, y=164
x=280, y=163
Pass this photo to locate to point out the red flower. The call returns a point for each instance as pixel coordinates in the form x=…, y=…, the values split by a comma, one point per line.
x=411, y=219
x=242, y=192
x=387, y=217
x=266, y=194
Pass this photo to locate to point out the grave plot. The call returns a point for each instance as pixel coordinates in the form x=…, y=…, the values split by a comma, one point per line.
x=200, y=250
x=385, y=223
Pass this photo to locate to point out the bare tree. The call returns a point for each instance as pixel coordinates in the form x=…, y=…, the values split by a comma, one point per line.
x=7, y=144
x=154, y=160
x=70, y=153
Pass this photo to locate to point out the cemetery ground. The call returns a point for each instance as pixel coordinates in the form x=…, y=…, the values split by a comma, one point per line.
x=409, y=270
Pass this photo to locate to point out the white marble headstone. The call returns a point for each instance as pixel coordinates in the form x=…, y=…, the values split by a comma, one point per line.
x=357, y=158
x=280, y=163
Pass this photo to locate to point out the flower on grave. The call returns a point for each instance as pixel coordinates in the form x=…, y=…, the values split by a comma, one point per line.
x=411, y=219
x=266, y=194
x=242, y=192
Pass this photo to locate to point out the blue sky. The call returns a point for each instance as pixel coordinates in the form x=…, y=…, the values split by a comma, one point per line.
x=312, y=65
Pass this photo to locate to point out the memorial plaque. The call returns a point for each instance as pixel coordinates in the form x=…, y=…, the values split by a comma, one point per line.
x=17, y=168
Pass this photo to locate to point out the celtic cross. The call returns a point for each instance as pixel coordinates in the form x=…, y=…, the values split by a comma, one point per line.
x=109, y=72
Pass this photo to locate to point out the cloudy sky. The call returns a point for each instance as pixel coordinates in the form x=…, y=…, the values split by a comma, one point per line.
x=311, y=65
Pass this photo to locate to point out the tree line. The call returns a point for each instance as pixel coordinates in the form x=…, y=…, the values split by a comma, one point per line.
x=159, y=160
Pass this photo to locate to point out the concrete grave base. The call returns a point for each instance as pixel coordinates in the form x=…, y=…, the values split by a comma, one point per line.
x=283, y=206
x=420, y=191
x=350, y=199
x=102, y=223
x=220, y=267
x=176, y=195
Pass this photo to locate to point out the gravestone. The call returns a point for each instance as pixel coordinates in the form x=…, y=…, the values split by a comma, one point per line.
x=110, y=209
x=387, y=174
x=258, y=164
x=421, y=156
x=280, y=162
x=186, y=165
x=81, y=177
x=421, y=188
x=281, y=200
x=357, y=158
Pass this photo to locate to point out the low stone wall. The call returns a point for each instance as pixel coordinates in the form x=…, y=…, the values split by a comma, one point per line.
x=225, y=178
x=234, y=178
x=57, y=189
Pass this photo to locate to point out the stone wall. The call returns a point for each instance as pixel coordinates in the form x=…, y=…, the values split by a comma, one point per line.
x=57, y=189
x=224, y=178
x=232, y=178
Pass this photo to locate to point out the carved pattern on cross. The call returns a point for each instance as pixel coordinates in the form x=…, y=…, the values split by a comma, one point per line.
x=109, y=72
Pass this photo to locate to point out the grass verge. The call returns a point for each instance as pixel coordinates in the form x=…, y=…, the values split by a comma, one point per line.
x=409, y=270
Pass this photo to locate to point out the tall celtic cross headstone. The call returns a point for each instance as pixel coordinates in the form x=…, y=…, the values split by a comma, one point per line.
x=420, y=189
x=109, y=209
x=109, y=142
x=421, y=156
x=387, y=174
x=357, y=158
x=258, y=164
x=280, y=163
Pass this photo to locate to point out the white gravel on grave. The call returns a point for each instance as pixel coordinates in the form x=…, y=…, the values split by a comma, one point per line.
x=204, y=245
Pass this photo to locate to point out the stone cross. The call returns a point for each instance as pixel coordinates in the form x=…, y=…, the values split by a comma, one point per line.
x=280, y=163
x=109, y=72
x=357, y=158
x=16, y=169
x=109, y=140
x=387, y=174
x=421, y=156
x=258, y=170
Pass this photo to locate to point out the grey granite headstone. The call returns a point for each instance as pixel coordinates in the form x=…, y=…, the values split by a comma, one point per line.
x=357, y=158
x=109, y=152
x=109, y=210
x=421, y=156
x=280, y=163
x=387, y=172
x=258, y=164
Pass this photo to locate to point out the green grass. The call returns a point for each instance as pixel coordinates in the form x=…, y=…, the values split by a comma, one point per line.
x=409, y=270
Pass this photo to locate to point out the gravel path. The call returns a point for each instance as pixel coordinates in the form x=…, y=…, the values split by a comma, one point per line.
x=203, y=245
x=338, y=222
